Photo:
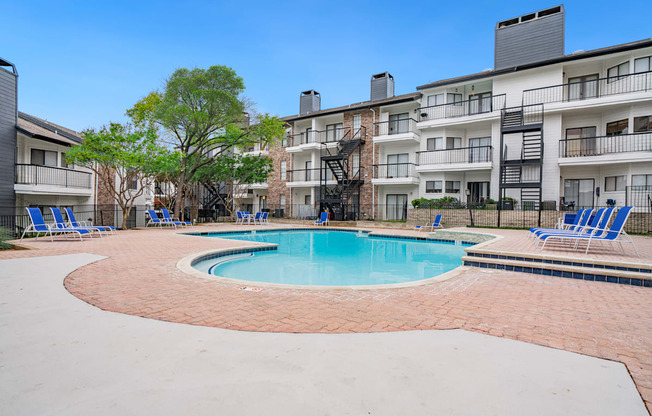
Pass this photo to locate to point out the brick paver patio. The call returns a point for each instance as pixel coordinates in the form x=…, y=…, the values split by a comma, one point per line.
x=140, y=277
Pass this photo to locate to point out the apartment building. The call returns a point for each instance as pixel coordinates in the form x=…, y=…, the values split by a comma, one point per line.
x=544, y=128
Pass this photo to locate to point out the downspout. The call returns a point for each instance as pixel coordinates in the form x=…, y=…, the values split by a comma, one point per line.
x=373, y=161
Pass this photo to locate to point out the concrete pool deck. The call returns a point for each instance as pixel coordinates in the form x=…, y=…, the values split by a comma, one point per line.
x=60, y=355
x=598, y=319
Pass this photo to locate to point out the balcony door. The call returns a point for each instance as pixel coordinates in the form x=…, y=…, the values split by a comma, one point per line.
x=480, y=103
x=396, y=209
x=580, y=141
x=581, y=88
x=399, y=123
x=309, y=135
x=479, y=149
x=397, y=165
x=479, y=192
x=579, y=191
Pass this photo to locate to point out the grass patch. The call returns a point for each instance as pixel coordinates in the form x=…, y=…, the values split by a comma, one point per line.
x=5, y=235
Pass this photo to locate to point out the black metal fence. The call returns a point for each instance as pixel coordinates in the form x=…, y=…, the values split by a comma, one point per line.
x=400, y=126
x=54, y=176
x=394, y=170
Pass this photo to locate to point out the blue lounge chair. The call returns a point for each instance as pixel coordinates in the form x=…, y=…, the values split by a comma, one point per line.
x=323, y=220
x=435, y=224
x=562, y=226
x=155, y=220
x=39, y=226
x=60, y=223
x=264, y=220
x=599, y=221
x=168, y=218
x=257, y=217
x=73, y=222
x=574, y=227
x=615, y=234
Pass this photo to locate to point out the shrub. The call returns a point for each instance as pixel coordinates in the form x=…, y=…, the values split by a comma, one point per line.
x=5, y=235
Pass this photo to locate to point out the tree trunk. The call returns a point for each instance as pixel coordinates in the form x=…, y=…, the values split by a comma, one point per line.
x=178, y=201
x=125, y=217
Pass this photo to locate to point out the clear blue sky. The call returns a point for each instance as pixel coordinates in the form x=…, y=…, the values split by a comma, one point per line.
x=82, y=64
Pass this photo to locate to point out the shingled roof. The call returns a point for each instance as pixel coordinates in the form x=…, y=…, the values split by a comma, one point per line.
x=45, y=130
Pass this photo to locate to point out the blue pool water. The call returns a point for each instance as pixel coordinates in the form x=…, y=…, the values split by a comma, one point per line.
x=334, y=258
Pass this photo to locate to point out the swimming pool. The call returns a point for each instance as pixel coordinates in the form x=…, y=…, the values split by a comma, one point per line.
x=332, y=258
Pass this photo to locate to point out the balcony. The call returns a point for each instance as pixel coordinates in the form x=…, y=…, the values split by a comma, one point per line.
x=49, y=180
x=396, y=131
x=622, y=148
x=469, y=108
x=304, y=177
x=258, y=149
x=313, y=139
x=461, y=159
x=592, y=91
x=395, y=174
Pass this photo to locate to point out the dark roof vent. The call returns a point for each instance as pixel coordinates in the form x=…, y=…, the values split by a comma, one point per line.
x=533, y=37
x=309, y=102
x=382, y=86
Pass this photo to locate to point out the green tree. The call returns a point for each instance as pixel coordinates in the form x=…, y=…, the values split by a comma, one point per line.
x=235, y=172
x=123, y=159
x=201, y=114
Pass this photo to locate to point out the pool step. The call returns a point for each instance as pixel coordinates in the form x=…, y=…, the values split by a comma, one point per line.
x=562, y=270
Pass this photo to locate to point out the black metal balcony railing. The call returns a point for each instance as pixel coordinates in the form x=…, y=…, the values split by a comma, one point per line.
x=462, y=108
x=585, y=90
x=604, y=145
x=317, y=136
x=49, y=175
x=304, y=175
x=477, y=154
x=394, y=170
x=385, y=128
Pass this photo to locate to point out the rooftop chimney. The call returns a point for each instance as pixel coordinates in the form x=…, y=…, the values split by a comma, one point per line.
x=533, y=37
x=382, y=86
x=309, y=102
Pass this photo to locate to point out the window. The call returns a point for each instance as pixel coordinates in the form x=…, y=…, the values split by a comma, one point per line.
x=642, y=180
x=43, y=157
x=357, y=123
x=283, y=170
x=642, y=124
x=306, y=199
x=282, y=200
x=614, y=183
x=480, y=149
x=133, y=182
x=452, y=98
x=433, y=187
x=580, y=192
x=309, y=170
x=452, y=187
x=310, y=137
x=435, y=143
x=642, y=64
x=334, y=132
x=355, y=158
x=437, y=99
x=617, y=127
x=615, y=72
x=63, y=162
x=284, y=139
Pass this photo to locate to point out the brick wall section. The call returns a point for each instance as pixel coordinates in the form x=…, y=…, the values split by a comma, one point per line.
x=106, y=206
x=366, y=155
x=276, y=186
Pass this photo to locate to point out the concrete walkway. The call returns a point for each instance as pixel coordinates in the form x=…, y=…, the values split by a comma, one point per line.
x=59, y=355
